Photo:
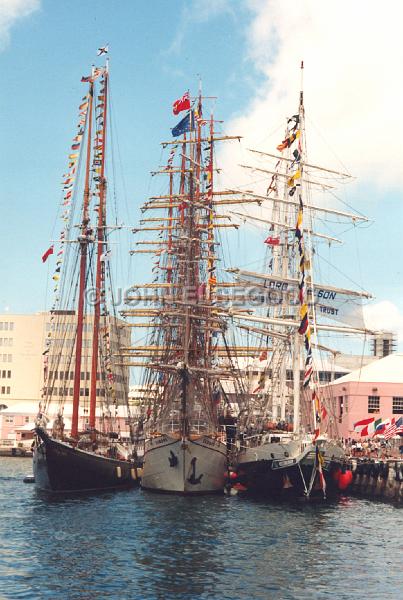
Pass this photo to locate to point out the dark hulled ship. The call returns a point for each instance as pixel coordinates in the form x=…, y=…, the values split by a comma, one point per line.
x=84, y=434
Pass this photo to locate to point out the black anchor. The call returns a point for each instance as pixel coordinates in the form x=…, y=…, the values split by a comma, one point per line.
x=173, y=459
x=193, y=480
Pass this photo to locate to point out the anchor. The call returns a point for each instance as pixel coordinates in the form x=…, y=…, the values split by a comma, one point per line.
x=173, y=459
x=193, y=480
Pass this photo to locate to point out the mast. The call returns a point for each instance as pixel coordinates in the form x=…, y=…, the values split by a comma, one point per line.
x=182, y=355
x=187, y=265
x=84, y=240
x=100, y=264
x=296, y=340
x=296, y=382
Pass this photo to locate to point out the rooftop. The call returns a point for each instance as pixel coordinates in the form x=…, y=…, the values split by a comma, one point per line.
x=384, y=370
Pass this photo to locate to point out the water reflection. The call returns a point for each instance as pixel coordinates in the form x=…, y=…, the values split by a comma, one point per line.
x=134, y=544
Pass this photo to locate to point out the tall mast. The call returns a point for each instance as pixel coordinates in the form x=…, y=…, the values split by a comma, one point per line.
x=211, y=281
x=186, y=337
x=170, y=216
x=296, y=381
x=99, y=282
x=83, y=239
x=296, y=337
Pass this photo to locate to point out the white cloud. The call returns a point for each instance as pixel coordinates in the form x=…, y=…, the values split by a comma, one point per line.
x=10, y=12
x=353, y=52
x=384, y=316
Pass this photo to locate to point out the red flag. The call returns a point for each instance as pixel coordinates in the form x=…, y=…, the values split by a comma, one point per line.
x=263, y=355
x=324, y=413
x=48, y=252
x=181, y=104
x=363, y=422
x=272, y=241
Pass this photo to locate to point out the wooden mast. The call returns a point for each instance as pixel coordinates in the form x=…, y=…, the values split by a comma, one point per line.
x=100, y=264
x=188, y=269
x=84, y=240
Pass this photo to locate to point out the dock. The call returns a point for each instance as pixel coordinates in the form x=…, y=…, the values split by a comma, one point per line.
x=377, y=479
x=11, y=448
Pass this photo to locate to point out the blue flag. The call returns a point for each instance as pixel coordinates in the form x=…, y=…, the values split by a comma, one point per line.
x=187, y=124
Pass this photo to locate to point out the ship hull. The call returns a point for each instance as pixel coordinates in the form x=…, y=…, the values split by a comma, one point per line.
x=189, y=466
x=290, y=476
x=60, y=468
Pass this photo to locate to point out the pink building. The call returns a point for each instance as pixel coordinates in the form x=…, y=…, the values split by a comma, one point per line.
x=18, y=420
x=375, y=390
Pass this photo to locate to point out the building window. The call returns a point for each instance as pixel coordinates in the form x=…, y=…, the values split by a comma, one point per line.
x=373, y=404
x=26, y=419
x=3, y=389
x=9, y=419
x=341, y=405
x=397, y=405
x=9, y=374
x=8, y=390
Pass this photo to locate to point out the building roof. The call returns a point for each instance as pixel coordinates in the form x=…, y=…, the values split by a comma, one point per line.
x=384, y=370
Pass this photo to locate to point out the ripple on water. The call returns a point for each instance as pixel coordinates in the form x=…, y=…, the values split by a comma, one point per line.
x=140, y=545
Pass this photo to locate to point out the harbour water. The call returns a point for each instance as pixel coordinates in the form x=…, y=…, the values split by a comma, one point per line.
x=139, y=545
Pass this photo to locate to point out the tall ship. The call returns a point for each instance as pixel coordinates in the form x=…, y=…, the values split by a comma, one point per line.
x=84, y=430
x=187, y=351
x=287, y=439
x=229, y=359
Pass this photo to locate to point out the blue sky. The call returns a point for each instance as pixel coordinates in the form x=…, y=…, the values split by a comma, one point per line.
x=247, y=54
x=155, y=55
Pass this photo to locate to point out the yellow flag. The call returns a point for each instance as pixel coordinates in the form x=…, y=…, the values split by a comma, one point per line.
x=303, y=310
x=299, y=220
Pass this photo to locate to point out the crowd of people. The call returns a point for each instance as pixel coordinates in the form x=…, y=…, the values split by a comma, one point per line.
x=374, y=448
